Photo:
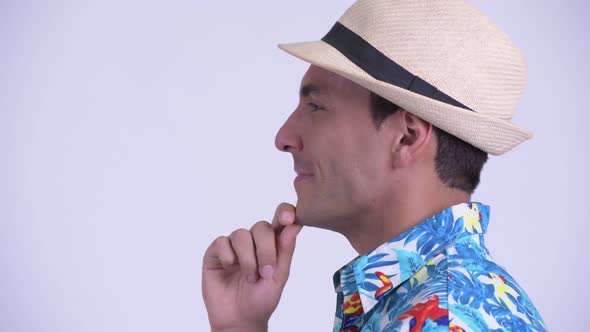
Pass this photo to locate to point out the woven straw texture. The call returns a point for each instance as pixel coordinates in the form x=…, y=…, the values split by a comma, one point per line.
x=451, y=45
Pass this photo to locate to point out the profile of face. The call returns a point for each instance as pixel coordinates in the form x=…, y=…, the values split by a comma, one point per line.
x=340, y=157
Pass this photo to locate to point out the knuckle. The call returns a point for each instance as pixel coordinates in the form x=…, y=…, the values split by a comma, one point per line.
x=240, y=234
x=260, y=225
x=217, y=245
x=218, y=242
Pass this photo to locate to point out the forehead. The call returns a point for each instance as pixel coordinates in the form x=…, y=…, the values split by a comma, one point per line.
x=324, y=82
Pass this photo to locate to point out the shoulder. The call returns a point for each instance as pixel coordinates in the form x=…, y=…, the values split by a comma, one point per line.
x=461, y=289
x=482, y=295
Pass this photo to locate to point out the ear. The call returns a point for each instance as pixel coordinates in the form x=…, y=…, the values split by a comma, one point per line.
x=414, y=141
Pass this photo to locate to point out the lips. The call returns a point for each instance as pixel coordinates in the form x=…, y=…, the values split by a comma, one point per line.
x=303, y=171
x=301, y=177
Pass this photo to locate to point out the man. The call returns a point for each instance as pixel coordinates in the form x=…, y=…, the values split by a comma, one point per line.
x=401, y=106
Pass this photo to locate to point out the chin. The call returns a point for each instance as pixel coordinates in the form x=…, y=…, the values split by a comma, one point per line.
x=314, y=217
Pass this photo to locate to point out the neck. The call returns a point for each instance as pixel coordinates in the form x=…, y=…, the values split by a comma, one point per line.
x=389, y=218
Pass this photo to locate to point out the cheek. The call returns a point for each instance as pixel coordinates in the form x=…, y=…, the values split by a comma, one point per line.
x=350, y=156
x=354, y=168
x=368, y=162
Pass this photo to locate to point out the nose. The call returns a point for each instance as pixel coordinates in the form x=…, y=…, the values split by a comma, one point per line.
x=288, y=139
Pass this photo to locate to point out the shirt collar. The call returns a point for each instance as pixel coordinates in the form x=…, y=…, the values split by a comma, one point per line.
x=381, y=270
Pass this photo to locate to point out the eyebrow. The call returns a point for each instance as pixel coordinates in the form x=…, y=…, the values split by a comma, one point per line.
x=309, y=89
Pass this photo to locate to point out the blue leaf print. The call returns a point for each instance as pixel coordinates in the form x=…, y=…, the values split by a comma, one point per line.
x=466, y=290
x=511, y=322
x=375, y=258
x=370, y=287
x=469, y=316
x=409, y=263
x=380, y=264
x=430, y=326
x=445, y=255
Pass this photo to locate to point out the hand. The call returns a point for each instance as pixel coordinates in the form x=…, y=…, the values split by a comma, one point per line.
x=244, y=274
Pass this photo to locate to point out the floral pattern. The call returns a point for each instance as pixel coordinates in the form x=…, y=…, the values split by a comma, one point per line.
x=437, y=276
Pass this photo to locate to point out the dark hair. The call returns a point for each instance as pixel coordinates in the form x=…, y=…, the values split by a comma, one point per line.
x=457, y=162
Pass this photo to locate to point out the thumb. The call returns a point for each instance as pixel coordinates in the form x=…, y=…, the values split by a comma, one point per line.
x=285, y=250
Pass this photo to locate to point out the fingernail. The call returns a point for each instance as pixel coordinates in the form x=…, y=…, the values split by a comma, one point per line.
x=287, y=216
x=251, y=277
x=266, y=272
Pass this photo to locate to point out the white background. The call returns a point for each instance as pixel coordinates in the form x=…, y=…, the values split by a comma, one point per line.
x=132, y=133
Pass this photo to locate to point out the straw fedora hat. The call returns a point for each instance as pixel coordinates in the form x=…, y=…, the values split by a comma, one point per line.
x=441, y=60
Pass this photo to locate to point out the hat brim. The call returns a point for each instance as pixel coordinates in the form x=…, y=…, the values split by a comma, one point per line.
x=492, y=135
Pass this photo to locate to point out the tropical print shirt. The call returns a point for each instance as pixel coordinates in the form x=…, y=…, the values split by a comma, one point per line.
x=437, y=276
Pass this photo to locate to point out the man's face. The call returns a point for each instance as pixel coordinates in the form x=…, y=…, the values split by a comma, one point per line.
x=340, y=157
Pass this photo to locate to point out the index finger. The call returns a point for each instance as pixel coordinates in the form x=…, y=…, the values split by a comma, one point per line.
x=284, y=215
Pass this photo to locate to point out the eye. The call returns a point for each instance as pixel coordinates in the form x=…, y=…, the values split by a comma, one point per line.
x=314, y=107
